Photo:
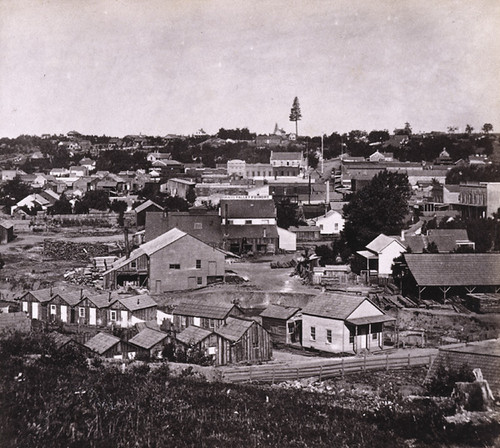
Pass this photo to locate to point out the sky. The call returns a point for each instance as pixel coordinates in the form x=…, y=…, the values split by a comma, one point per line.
x=157, y=67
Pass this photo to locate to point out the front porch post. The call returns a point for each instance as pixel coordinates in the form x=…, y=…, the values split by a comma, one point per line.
x=369, y=342
x=355, y=339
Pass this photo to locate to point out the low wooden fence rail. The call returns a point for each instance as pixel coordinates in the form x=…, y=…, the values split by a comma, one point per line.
x=275, y=373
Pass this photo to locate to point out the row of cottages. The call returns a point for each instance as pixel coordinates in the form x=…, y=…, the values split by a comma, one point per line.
x=336, y=323
x=173, y=261
x=83, y=308
x=238, y=340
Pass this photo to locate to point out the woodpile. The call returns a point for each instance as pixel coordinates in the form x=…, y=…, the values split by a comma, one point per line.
x=71, y=251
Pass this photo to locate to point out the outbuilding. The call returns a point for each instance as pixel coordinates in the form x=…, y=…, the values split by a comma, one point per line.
x=283, y=323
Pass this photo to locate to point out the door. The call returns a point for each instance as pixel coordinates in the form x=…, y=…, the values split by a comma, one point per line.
x=158, y=286
x=93, y=316
x=72, y=316
x=34, y=310
x=212, y=268
x=64, y=313
x=124, y=318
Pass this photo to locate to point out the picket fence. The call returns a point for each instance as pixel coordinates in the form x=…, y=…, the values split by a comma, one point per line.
x=326, y=369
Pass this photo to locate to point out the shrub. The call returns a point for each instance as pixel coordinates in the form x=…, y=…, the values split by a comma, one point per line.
x=445, y=377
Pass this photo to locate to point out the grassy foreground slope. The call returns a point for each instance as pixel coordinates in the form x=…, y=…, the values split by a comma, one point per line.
x=57, y=400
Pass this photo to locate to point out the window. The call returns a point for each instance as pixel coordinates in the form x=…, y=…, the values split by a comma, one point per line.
x=112, y=315
x=374, y=336
x=199, y=280
x=313, y=333
x=329, y=336
x=198, y=264
x=81, y=312
x=336, y=227
x=198, y=226
x=133, y=264
x=291, y=328
x=351, y=335
x=174, y=266
x=211, y=323
x=52, y=309
x=248, y=221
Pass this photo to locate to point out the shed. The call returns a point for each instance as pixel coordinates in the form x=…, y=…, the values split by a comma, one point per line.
x=198, y=338
x=283, y=323
x=454, y=273
x=107, y=345
x=484, y=302
x=6, y=232
x=148, y=341
x=243, y=341
x=145, y=207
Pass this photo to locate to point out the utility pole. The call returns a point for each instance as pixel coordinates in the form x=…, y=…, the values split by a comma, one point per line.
x=322, y=158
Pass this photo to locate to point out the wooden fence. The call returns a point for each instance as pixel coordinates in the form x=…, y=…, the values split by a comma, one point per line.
x=322, y=370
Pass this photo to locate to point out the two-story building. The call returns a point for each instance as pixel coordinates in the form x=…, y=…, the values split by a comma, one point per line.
x=173, y=261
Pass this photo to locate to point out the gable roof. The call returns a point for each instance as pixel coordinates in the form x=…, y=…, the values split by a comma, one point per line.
x=60, y=340
x=148, y=338
x=102, y=300
x=6, y=224
x=140, y=302
x=203, y=309
x=234, y=329
x=252, y=231
x=146, y=205
x=454, y=269
x=334, y=306
x=193, y=335
x=102, y=342
x=279, y=312
x=381, y=242
x=150, y=247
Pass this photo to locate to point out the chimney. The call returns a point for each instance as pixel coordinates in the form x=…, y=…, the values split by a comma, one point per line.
x=81, y=294
x=402, y=235
x=327, y=192
x=50, y=292
x=138, y=300
x=109, y=296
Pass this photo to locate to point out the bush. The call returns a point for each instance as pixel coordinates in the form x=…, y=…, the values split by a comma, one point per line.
x=445, y=377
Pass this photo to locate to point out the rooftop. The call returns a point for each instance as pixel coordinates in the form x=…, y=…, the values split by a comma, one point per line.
x=148, y=338
x=193, y=335
x=203, y=309
x=234, y=329
x=102, y=342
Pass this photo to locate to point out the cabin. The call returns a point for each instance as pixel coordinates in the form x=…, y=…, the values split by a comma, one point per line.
x=148, y=342
x=128, y=311
x=283, y=323
x=145, y=207
x=343, y=323
x=203, y=314
x=380, y=254
x=107, y=346
x=243, y=341
x=201, y=339
x=173, y=261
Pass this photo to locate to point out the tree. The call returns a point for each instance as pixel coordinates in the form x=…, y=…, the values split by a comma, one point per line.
x=14, y=190
x=312, y=160
x=97, y=199
x=468, y=129
x=452, y=129
x=431, y=248
x=379, y=207
x=487, y=128
x=287, y=214
x=62, y=206
x=295, y=114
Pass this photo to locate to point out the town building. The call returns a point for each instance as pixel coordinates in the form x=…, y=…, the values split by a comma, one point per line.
x=203, y=314
x=173, y=261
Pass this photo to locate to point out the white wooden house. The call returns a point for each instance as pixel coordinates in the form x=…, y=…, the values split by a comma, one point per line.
x=343, y=323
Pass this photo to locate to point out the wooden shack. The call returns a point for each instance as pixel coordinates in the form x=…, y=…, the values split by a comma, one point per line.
x=243, y=341
x=148, y=342
x=204, y=314
x=484, y=302
x=107, y=346
x=283, y=323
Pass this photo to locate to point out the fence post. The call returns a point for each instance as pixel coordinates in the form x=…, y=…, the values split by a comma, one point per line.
x=320, y=372
x=430, y=359
x=297, y=373
x=250, y=372
x=274, y=369
x=364, y=362
x=386, y=362
x=342, y=368
x=408, y=358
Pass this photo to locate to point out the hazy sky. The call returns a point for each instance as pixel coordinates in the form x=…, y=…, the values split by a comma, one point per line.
x=157, y=67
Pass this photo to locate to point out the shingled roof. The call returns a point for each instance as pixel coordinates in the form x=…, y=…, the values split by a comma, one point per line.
x=334, y=306
x=140, y=302
x=203, y=309
x=247, y=208
x=102, y=342
x=279, y=312
x=234, y=329
x=193, y=335
x=148, y=338
x=455, y=269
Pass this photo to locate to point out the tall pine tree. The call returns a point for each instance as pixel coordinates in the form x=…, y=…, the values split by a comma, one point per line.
x=295, y=114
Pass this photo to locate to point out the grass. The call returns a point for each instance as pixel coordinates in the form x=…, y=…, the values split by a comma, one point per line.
x=57, y=400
